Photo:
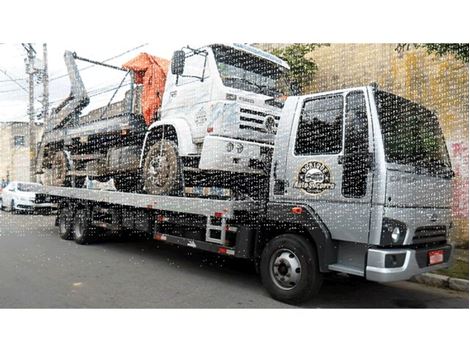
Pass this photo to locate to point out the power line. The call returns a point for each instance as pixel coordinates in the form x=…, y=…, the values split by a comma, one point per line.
x=65, y=75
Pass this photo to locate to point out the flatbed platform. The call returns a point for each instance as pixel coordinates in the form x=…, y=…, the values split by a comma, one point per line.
x=199, y=206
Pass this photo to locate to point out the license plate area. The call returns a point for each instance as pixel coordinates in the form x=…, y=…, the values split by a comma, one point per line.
x=436, y=257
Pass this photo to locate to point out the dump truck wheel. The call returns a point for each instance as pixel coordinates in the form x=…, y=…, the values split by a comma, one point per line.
x=289, y=269
x=161, y=168
x=55, y=174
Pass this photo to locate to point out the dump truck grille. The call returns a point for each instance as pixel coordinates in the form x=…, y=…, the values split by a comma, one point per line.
x=429, y=234
x=258, y=121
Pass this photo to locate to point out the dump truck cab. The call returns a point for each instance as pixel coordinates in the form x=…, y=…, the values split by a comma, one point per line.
x=372, y=170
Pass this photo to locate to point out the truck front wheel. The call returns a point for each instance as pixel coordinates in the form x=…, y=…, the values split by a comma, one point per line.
x=289, y=269
x=161, y=168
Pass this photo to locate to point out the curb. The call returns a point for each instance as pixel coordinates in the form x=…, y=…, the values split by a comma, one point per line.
x=441, y=281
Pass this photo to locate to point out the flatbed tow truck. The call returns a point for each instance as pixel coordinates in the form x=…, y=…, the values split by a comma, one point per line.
x=343, y=193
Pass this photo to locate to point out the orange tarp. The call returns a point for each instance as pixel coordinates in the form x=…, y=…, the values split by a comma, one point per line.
x=151, y=72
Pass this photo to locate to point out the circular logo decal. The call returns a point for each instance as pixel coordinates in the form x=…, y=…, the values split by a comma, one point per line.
x=314, y=178
x=270, y=124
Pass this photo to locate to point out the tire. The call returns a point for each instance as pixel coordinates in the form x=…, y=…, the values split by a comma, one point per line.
x=12, y=206
x=65, y=223
x=83, y=232
x=289, y=269
x=55, y=174
x=162, y=169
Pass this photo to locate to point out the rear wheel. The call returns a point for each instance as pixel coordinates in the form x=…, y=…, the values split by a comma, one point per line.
x=289, y=269
x=65, y=224
x=162, y=170
x=83, y=231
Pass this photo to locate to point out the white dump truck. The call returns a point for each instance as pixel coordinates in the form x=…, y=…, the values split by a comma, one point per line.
x=354, y=181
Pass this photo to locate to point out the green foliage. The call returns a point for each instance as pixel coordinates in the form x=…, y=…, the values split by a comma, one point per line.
x=460, y=51
x=302, y=70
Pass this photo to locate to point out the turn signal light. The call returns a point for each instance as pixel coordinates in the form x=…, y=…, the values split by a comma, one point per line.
x=296, y=210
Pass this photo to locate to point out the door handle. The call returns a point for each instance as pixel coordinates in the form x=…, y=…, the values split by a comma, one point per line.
x=340, y=159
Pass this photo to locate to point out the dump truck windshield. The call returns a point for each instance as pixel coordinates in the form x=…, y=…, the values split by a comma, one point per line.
x=242, y=70
x=412, y=135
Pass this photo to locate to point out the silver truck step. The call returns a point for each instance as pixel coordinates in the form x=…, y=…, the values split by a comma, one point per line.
x=346, y=269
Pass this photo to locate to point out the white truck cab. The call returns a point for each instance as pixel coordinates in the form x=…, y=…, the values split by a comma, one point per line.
x=224, y=97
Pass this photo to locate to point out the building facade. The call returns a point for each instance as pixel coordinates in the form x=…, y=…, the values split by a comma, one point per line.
x=14, y=151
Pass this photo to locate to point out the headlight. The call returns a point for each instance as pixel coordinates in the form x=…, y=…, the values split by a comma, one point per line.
x=393, y=232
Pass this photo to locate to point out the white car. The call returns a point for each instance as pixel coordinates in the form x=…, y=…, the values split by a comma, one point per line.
x=25, y=196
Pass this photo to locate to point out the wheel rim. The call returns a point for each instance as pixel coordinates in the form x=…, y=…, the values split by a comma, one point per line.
x=160, y=168
x=285, y=269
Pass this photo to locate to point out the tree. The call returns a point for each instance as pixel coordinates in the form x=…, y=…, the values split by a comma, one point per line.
x=302, y=69
x=460, y=51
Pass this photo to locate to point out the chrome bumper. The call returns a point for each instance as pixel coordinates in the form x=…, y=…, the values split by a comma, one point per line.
x=415, y=263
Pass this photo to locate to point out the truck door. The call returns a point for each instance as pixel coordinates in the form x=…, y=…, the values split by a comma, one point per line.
x=329, y=162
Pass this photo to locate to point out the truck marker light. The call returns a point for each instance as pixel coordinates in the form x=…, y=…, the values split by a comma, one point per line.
x=162, y=218
x=297, y=210
x=219, y=214
x=159, y=236
x=124, y=132
x=210, y=129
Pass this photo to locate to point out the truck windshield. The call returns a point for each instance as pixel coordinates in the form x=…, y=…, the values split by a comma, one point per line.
x=412, y=135
x=241, y=70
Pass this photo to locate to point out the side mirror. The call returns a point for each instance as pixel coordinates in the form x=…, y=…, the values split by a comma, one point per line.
x=177, y=62
x=295, y=87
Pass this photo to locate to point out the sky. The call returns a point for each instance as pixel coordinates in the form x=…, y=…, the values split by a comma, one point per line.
x=14, y=99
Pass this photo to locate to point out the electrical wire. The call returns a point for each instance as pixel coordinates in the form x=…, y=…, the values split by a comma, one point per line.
x=11, y=79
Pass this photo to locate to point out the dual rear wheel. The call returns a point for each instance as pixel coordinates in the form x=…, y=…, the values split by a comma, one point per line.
x=76, y=226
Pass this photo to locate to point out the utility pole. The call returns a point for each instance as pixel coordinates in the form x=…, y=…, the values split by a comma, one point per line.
x=30, y=71
x=45, y=82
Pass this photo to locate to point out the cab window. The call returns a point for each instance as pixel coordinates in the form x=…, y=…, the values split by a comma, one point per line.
x=320, y=128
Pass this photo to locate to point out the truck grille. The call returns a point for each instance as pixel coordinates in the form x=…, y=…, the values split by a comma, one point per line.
x=430, y=234
x=258, y=121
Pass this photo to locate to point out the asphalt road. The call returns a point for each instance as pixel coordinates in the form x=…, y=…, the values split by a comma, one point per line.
x=39, y=270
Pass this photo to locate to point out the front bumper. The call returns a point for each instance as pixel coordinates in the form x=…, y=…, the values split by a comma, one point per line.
x=415, y=262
